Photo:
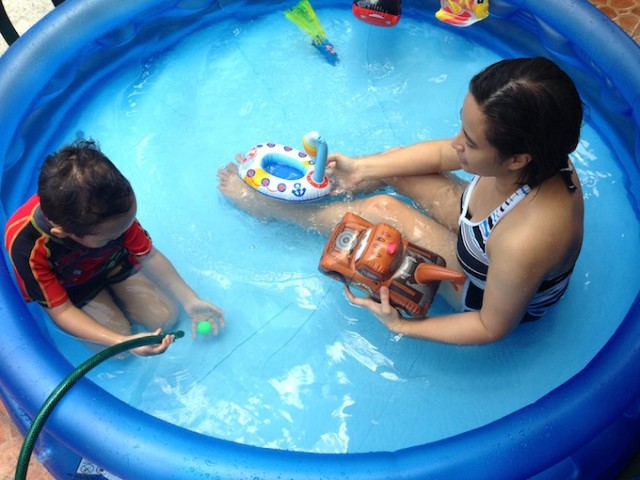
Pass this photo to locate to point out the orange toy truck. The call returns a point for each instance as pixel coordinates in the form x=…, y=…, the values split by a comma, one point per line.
x=367, y=256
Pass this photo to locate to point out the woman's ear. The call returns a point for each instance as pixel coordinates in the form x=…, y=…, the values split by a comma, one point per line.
x=519, y=161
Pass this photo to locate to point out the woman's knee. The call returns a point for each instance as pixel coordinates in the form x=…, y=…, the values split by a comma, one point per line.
x=383, y=209
x=415, y=226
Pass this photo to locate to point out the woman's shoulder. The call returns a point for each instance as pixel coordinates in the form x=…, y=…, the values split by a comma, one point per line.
x=554, y=201
x=548, y=226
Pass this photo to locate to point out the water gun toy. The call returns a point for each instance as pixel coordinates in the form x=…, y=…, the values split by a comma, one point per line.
x=305, y=17
x=383, y=13
x=462, y=13
x=367, y=257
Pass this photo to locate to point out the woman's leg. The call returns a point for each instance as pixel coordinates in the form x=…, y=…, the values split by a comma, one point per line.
x=438, y=195
x=145, y=303
x=415, y=226
x=319, y=216
x=322, y=217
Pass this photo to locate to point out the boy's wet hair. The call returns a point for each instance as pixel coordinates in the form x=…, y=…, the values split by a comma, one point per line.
x=80, y=188
x=532, y=106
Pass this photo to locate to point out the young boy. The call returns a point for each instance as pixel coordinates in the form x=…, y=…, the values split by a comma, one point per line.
x=78, y=250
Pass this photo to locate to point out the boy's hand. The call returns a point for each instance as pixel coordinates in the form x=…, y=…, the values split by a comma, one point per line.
x=156, y=349
x=201, y=311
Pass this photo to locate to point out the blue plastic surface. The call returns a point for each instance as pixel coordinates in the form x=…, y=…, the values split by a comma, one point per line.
x=587, y=427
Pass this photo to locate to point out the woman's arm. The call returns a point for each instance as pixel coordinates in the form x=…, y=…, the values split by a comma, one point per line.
x=515, y=275
x=419, y=159
x=466, y=328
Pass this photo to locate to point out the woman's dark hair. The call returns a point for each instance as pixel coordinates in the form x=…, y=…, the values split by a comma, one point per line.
x=532, y=106
x=80, y=188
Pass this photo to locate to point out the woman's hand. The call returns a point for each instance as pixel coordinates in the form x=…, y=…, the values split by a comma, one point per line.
x=201, y=311
x=383, y=310
x=155, y=349
x=343, y=173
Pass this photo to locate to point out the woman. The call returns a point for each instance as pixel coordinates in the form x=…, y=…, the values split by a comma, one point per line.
x=515, y=230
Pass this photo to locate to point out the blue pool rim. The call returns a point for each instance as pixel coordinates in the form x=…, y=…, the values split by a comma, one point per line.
x=587, y=428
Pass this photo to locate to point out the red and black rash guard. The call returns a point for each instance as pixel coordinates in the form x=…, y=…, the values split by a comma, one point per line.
x=51, y=270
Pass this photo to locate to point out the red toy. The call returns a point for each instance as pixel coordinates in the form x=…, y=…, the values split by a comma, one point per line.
x=383, y=13
x=368, y=256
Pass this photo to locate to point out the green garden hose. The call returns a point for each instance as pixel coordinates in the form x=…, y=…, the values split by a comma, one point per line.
x=80, y=371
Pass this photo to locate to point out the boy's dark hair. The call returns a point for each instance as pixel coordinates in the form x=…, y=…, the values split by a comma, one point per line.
x=532, y=106
x=81, y=188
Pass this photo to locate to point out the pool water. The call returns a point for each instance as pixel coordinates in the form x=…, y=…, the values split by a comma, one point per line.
x=298, y=367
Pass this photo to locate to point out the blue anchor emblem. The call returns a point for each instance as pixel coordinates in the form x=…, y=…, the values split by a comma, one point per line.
x=298, y=190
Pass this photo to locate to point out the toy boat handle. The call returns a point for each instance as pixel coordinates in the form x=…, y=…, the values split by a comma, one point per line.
x=316, y=147
x=426, y=273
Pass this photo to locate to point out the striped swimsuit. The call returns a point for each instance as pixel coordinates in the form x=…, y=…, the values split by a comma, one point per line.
x=471, y=253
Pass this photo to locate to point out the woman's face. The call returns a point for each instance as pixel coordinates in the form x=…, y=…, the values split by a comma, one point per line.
x=475, y=153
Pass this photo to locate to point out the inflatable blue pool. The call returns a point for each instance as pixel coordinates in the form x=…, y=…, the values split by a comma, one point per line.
x=586, y=428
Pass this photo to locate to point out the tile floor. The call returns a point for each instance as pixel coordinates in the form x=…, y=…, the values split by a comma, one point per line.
x=626, y=13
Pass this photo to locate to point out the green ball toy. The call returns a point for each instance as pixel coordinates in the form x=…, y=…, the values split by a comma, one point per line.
x=204, y=328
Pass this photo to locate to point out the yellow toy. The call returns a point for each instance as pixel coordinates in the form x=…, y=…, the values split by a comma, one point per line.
x=462, y=13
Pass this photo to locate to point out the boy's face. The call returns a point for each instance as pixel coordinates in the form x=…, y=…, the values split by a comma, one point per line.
x=107, y=231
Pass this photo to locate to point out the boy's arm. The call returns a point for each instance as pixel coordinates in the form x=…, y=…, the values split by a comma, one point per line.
x=162, y=271
x=78, y=323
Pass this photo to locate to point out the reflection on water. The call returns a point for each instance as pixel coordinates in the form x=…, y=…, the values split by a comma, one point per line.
x=362, y=351
x=586, y=163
